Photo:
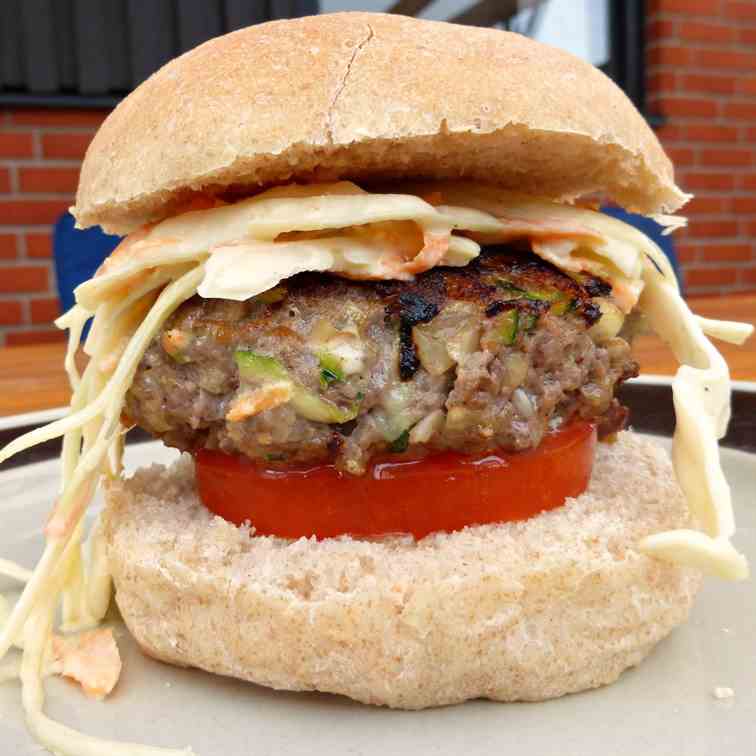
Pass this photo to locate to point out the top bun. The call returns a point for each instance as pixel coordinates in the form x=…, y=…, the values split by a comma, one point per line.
x=368, y=96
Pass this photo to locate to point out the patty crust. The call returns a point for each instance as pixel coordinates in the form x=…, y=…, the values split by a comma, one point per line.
x=322, y=369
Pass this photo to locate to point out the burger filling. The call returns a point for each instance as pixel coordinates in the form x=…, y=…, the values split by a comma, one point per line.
x=491, y=356
x=449, y=351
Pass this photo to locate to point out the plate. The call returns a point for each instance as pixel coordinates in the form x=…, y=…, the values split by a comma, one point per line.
x=664, y=707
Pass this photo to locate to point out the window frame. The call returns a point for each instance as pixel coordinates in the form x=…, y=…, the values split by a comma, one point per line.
x=627, y=53
x=626, y=64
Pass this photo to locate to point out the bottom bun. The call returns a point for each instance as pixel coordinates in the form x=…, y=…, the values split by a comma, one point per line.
x=522, y=611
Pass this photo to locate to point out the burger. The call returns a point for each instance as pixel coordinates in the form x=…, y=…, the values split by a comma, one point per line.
x=365, y=286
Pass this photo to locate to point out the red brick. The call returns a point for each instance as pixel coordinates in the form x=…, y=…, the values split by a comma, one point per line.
x=723, y=156
x=669, y=55
x=748, y=181
x=659, y=29
x=740, y=109
x=699, y=31
x=722, y=291
x=39, y=117
x=4, y=180
x=16, y=144
x=48, y=180
x=706, y=132
x=743, y=10
x=71, y=145
x=8, y=247
x=702, y=83
x=748, y=276
x=747, y=85
x=712, y=228
x=748, y=36
x=38, y=245
x=725, y=59
x=726, y=252
x=686, y=252
x=662, y=81
x=686, y=106
x=744, y=204
x=681, y=155
x=708, y=181
x=693, y=7
x=44, y=310
x=22, y=338
x=702, y=205
x=752, y=229
x=10, y=313
x=23, y=278
x=710, y=276
x=669, y=133
x=31, y=212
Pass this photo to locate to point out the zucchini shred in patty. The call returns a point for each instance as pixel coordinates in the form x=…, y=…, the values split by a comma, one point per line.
x=322, y=369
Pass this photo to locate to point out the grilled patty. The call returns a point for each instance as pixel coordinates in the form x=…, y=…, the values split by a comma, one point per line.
x=490, y=356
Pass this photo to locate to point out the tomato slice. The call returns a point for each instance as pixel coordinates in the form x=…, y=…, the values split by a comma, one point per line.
x=446, y=491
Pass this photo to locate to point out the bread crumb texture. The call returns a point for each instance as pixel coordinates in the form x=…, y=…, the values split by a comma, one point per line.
x=722, y=692
x=522, y=611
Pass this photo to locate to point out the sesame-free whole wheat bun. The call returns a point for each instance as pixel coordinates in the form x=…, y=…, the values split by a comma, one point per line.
x=366, y=97
x=529, y=610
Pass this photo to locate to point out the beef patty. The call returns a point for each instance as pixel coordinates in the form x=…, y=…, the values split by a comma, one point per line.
x=490, y=356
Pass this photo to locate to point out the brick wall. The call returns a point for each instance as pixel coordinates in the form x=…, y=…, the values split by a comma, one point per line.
x=40, y=155
x=701, y=75
x=701, y=65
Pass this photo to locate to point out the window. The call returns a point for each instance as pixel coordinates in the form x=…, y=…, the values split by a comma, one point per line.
x=607, y=33
x=90, y=53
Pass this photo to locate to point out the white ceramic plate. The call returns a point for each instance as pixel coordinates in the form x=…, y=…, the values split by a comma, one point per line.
x=665, y=707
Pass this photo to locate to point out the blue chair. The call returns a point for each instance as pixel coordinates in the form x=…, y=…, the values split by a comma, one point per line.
x=654, y=232
x=77, y=255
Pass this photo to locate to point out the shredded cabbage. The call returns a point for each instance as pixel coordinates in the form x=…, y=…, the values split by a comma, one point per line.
x=81, y=577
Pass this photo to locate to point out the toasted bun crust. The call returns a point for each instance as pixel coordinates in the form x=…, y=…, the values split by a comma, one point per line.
x=524, y=611
x=369, y=96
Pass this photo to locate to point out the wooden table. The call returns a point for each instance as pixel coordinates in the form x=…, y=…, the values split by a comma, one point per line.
x=32, y=377
x=655, y=357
